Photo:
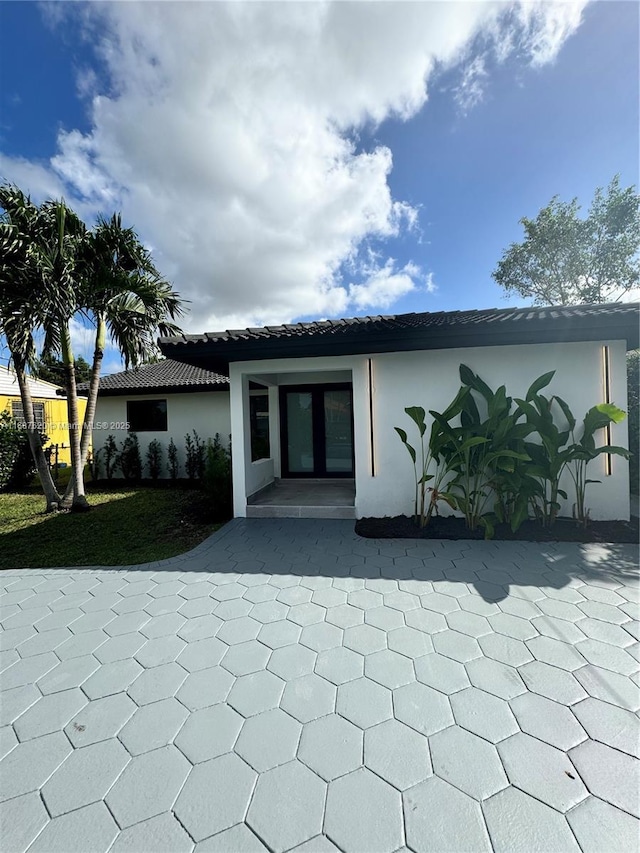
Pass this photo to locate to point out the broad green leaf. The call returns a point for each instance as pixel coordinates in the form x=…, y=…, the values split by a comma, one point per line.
x=417, y=413
x=540, y=383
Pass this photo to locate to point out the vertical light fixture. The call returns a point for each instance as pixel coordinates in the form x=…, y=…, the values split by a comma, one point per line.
x=606, y=388
x=372, y=449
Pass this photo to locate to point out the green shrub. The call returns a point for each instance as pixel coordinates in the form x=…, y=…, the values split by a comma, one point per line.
x=130, y=461
x=172, y=457
x=195, y=452
x=154, y=459
x=111, y=457
x=217, y=478
x=17, y=467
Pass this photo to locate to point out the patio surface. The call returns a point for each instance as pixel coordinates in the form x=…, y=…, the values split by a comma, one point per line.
x=290, y=686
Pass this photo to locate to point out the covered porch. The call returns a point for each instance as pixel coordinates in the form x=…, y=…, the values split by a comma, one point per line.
x=293, y=434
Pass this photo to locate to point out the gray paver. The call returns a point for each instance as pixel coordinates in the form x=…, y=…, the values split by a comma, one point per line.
x=245, y=658
x=389, y=668
x=599, y=826
x=27, y=767
x=340, y=665
x=84, y=777
x=542, y=771
x=15, y=702
x=202, y=654
x=100, y=719
x=160, y=651
x=254, y=693
x=441, y=817
x=605, y=632
x=161, y=834
x=467, y=761
x=68, y=674
x=49, y=714
x=287, y=806
x=424, y=709
x=426, y=620
x=28, y=670
x=331, y=746
x=292, y=661
x=215, y=796
x=609, y=774
x=551, y=682
x=112, y=678
x=608, y=724
x=505, y=649
x=556, y=653
x=609, y=686
x=153, y=726
x=268, y=739
x=209, y=733
x=205, y=687
x=364, y=702
x=89, y=828
x=460, y=647
x=239, y=838
x=608, y=657
x=397, y=754
x=547, y=720
x=275, y=635
x=148, y=786
x=410, y=642
x=364, y=813
x=495, y=677
x=519, y=823
x=308, y=698
x=21, y=819
x=483, y=714
x=365, y=639
x=441, y=673
x=321, y=636
x=121, y=647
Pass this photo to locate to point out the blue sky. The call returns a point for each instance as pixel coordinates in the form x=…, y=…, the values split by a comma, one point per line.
x=294, y=162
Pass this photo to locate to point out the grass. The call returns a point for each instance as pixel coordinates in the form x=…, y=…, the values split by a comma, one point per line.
x=126, y=525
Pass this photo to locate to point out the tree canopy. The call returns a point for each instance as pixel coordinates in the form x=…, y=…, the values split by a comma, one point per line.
x=565, y=259
x=51, y=369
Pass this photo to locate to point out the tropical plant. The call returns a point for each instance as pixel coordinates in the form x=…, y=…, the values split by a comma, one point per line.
x=111, y=457
x=51, y=369
x=130, y=461
x=584, y=450
x=172, y=457
x=633, y=384
x=482, y=454
x=26, y=300
x=154, y=459
x=427, y=460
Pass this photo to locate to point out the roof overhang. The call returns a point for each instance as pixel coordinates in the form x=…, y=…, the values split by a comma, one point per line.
x=216, y=355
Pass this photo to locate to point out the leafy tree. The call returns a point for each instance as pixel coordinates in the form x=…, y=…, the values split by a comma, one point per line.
x=566, y=260
x=51, y=369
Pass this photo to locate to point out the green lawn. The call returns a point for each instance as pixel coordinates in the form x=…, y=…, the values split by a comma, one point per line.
x=125, y=526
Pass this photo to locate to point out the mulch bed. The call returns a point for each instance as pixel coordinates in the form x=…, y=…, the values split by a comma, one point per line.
x=450, y=527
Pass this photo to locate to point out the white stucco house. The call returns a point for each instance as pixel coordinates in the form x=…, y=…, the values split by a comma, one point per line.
x=162, y=401
x=316, y=403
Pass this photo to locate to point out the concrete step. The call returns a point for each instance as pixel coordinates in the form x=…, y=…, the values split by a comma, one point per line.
x=291, y=511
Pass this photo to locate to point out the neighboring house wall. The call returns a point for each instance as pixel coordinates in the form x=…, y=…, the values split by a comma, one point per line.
x=46, y=400
x=431, y=379
x=206, y=412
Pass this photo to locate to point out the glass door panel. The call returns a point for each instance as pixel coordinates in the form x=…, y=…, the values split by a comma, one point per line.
x=300, y=432
x=338, y=431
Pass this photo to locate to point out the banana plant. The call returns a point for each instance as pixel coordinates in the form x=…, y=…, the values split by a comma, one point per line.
x=585, y=451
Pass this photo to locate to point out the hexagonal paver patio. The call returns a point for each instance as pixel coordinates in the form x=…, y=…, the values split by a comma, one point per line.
x=290, y=686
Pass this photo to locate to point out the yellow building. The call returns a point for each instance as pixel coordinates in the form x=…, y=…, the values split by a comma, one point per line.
x=49, y=409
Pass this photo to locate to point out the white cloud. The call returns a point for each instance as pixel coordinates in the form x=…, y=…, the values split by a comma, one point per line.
x=226, y=135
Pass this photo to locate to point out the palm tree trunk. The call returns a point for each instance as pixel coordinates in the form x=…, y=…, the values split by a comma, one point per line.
x=79, y=502
x=90, y=412
x=35, y=442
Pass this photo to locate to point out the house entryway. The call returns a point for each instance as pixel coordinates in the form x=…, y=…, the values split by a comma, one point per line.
x=305, y=498
x=317, y=431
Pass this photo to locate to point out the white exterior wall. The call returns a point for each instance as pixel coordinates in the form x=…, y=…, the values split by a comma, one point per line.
x=430, y=379
x=206, y=411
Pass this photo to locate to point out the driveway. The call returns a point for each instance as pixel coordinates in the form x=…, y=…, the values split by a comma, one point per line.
x=290, y=686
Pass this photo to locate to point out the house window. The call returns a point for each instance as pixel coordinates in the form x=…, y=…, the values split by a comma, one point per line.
x=147, y=415
x=259, y=419
x=17, y=413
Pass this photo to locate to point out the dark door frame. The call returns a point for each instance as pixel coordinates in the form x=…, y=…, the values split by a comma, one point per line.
x=318, y=430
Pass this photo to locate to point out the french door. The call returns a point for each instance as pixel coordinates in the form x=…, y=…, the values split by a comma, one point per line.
x=316, y=430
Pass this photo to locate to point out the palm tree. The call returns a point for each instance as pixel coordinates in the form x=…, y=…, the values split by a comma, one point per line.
x=24, y=304
x=126, y=299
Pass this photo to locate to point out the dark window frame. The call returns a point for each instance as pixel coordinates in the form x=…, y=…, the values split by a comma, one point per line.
x=39, y=415
x=258, y=437
x=135, y=419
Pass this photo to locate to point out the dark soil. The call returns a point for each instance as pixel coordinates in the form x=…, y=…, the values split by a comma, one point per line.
x=449, y=527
